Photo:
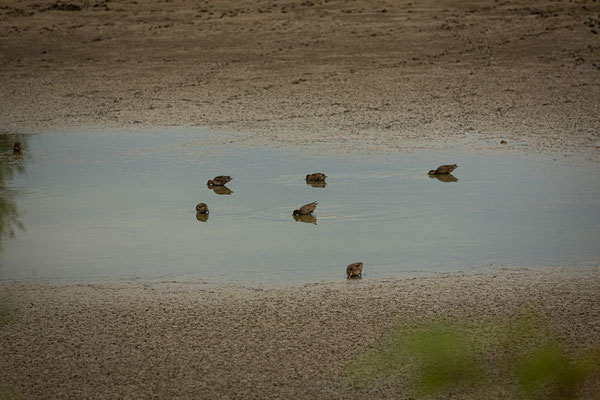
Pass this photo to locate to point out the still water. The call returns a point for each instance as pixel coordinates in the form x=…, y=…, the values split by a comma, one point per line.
x=87, y=206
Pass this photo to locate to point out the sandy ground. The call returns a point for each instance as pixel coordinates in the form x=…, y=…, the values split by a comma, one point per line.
x=359, y=75
x=186, y=340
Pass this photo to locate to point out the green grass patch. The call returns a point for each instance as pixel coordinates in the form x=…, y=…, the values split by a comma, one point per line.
x=442, y=356
x=6, y=310
x=9, y=393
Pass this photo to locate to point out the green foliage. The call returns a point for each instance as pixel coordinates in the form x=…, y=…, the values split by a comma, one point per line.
x=549, y=373
x=447, y=357
x=541, y=364
x=6, y=312
x=441, y=356
x=9, y=393
x=438, y=356
x=10, y=165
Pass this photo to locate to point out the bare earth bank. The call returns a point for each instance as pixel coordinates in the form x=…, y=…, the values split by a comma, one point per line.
x=186, y=340
x=360, y=75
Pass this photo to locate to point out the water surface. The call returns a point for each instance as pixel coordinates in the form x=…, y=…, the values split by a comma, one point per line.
x=86, y=206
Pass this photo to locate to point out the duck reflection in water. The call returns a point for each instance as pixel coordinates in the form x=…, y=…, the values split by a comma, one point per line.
x=202, y=217
x=317, y=184
x=444, y=178
x=309, y=219
x=220, y=190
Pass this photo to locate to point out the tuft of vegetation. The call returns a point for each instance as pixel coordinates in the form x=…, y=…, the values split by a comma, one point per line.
x=438, y=357
x=541, y=364
x=9, y=393
x=6, y=312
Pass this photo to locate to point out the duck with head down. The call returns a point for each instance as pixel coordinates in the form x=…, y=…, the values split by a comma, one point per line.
x=316, y=177
x=354, y=270
x=220, y=180
x=306, y=209
x=201, y=208
x=443, y=170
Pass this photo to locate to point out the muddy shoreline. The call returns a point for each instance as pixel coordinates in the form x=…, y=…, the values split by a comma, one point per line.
x=360, y=76
x=128, y=340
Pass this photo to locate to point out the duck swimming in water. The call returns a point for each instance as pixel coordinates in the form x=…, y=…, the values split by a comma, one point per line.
x=220, y=180
x=354, y=270
x=17, y=148
x=443, y=170
x=306, y=209
x=201, y=208
x=316, y=177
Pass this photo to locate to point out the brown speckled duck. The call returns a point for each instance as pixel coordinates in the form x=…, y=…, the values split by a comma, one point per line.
x=17, y=148
x=306, y=209
x=354, y=270
x=316, y=177
x=201, y=208
x=443, y=170
x=220, y=180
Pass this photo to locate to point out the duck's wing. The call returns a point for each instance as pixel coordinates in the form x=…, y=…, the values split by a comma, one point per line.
x=308, y=208
x=317, y=176
x=222, y=179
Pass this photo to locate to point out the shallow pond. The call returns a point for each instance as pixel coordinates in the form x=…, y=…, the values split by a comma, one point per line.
x=88, y=205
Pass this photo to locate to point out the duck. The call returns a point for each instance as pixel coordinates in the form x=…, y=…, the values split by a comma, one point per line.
x=17, y=148
x=201, y=208
x=306, y=209
x=220, y=180
x=316, y=177
x=443, y=170
x=354, y=270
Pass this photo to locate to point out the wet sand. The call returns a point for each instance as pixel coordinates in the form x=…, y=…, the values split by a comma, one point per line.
x=359, y=75
x=187, y=340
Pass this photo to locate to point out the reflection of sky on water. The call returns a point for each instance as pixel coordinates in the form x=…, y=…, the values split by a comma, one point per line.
x=108, y=205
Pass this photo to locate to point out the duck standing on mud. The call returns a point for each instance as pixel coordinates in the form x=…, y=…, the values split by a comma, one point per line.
x=443, y=170
x=354, y=270
x=306, y=209
x=220, y=180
